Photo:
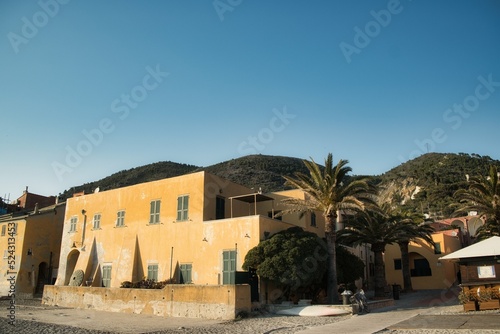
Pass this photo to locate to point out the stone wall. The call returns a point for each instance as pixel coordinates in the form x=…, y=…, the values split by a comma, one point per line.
x=221, y=302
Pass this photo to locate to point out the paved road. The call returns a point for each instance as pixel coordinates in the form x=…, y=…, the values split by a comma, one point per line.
x=415, y=311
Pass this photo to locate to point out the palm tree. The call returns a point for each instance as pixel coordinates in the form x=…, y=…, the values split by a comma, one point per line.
x=328, y=192
x=378, y=229
x=414, y=229
x=483, y=196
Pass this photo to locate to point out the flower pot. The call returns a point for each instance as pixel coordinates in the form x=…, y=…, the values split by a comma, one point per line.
x=470, y=306
x=489, y=305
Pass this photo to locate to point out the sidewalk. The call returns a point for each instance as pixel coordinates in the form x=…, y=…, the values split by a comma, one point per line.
x=410, y=305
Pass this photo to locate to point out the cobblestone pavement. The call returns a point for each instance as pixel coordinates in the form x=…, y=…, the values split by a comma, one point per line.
x=32, y=317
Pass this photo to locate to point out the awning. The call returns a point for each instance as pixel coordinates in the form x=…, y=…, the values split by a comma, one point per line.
x=485, y=248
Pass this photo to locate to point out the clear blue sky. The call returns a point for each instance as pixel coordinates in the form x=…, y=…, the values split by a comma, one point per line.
x=201, y=82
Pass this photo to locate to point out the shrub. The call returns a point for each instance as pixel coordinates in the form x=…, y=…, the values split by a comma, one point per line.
x=146, y=284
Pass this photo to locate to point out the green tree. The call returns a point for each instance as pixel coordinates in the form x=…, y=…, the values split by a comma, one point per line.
x=328, y=191
x=483, y=195
x=350, y=267
x=378, y=229
x=293, y=258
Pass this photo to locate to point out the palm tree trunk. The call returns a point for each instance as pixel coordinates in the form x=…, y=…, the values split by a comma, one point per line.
x=331, y=242
x=405, y=265
x=379, y=277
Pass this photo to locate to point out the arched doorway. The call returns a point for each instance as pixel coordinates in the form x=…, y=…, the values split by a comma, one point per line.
x=419, y=265
x=71, y=264
x=43, y=274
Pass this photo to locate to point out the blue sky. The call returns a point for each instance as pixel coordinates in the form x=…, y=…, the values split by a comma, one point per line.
x=90, y=88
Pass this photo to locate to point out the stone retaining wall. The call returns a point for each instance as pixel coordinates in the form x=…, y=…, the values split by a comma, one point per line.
x=221, y=302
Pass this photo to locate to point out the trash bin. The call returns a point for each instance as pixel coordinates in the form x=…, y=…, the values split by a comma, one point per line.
x=345, y=297
x=396, y=288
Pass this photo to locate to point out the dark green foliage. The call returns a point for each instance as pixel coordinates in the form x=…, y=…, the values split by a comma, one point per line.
x=439, y=175
x=258, y=171
x=146, y=284
x=293, y=258
x=349, y=266
x=151, y=172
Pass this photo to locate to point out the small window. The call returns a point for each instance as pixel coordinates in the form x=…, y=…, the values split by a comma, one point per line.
x=72, y=224
x=186, y=270
x=5, y=254
x=106, y=276
x=153, y=272
x=4, y=228
x=97, y=221
x=120, y=218
x=437, y=248
x=313, y=219
x=182, y=207
x=397, y=264
x=154, y=212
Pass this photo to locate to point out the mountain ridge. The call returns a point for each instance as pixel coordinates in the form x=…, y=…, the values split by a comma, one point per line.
x=425, y=184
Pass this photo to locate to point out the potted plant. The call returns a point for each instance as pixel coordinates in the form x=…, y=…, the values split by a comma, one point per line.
x=469, y=299
x=488, y=298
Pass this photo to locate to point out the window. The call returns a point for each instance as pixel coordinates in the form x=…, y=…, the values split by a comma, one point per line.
x=106, y=276
x=397, y=264
x=4, y=227
x=437, y=248
x=153, y=272
x=220, y=207
x=120, y=218
x=186, y=270
x=313, y=219
x=182, y=207
x=72, y=224
x=228, y=267
x=5, y=254
x=154, y=212
x=97, y=221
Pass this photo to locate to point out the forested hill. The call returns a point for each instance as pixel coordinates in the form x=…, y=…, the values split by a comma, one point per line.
x=254, y=171
x=426, y=183
x=431, y=180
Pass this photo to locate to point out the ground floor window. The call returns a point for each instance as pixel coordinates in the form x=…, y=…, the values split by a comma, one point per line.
x=153, y=272
x=228, y=267
x=106, y=276
x=186, y=273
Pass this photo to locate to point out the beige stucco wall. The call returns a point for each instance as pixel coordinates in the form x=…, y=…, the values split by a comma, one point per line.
x=41, y=234
x=443, y=273
x=199, y=241
x=210, y=302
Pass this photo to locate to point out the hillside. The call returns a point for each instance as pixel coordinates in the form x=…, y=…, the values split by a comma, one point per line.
x=425, y=184
x=428, y=182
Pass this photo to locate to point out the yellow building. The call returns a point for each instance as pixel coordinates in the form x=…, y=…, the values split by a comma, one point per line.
x=196, y=228
x=31, y=242
x=427, y=272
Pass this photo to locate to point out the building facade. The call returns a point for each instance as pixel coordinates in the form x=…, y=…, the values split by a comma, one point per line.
x=196, y=228
x=31, y=242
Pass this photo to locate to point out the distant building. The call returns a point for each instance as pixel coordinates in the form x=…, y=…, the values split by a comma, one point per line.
x=427, y=271
x=30, y=241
